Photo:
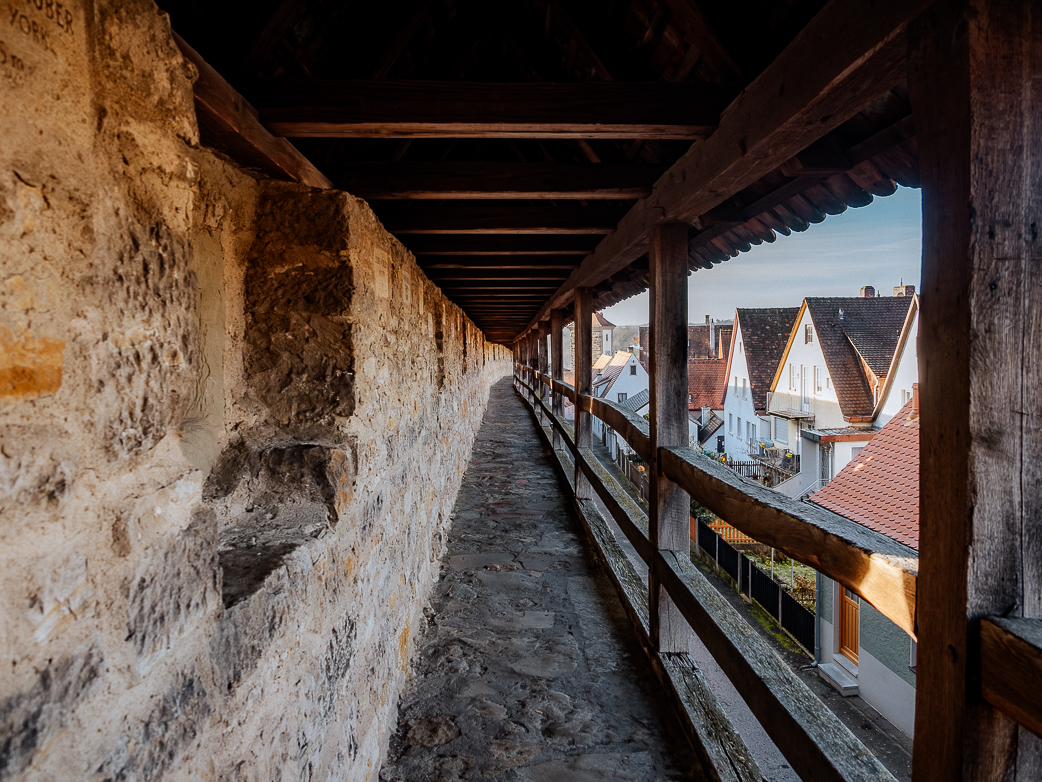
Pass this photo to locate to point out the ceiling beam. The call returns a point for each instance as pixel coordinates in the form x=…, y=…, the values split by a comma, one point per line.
x=564, y=219
x=469, y=180
x=493, y=244
x=229, y=123
x=850, y=53
x=453, y=109
x=432, y=262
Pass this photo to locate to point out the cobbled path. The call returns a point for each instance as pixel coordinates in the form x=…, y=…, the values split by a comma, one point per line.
x=527, y=670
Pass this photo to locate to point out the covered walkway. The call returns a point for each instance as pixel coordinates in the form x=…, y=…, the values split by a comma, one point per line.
x=528, y=669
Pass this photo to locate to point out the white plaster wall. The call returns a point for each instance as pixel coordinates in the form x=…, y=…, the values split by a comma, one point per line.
x=737, y=405
x=905, y=375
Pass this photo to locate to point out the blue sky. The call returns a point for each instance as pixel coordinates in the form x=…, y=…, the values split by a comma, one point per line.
x=876, y=245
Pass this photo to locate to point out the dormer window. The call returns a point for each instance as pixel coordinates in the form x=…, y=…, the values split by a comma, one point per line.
x=808, y=334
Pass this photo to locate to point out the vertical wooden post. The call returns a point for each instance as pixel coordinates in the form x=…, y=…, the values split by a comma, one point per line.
x=583, y=381
x=670, y=507
x=541, y=333
x=557, y=359
x=975, y=80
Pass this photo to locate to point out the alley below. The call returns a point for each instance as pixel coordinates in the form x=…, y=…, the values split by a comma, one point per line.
x=527, y=669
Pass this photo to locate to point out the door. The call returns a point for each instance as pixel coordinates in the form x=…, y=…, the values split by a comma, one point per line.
x=848, y=625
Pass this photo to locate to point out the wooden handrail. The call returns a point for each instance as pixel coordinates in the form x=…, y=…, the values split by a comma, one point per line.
x=812, y=738
x=1011, y=668
x=877, y=568
x=633, y=428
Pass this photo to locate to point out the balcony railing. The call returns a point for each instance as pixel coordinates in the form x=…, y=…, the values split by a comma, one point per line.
x=815, y=742
x=879, y=570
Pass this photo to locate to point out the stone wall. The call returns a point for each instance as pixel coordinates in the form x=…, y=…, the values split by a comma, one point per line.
x=227, y=452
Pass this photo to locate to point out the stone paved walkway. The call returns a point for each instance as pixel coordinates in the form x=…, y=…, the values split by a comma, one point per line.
x=527, y=671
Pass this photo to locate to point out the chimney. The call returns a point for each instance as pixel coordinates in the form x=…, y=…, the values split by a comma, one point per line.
x=868, y=292
x=915, y=397
x=904, y=290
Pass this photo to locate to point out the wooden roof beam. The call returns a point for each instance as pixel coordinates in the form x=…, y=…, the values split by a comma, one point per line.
x=431, y=263
x=435, y=109
x=561, y=220
x=230, y=124
x=470, y=180
x=849, y=54
x=466, y=244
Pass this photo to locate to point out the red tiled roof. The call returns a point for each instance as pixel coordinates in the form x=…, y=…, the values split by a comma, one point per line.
x=603, y=322
x=707, y=383
x=880, y=488
x=765, y=333
x=868, y=331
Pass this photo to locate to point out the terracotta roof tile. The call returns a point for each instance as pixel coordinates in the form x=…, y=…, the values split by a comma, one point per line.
x=868, y=331
x=880, y=488
x=765, y=333
x=706, y=383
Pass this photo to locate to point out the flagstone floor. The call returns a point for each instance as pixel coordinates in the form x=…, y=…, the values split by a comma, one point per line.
x=527, y=670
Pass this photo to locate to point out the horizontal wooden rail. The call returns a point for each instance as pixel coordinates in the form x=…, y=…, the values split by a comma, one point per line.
x=633, y=428
x=1011, y=668
x=621, y=507
x=878, y=569
x=810, y=736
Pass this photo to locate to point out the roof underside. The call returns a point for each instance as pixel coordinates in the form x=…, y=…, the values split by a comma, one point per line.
x=504, y=142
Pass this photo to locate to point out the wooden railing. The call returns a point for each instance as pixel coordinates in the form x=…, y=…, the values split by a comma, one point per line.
x=813, y=740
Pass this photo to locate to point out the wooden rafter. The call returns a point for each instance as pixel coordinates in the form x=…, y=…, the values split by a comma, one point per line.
x=494, y=180
x=564, y=219
x=494, y=244
x=850, y=53
x=436, y=109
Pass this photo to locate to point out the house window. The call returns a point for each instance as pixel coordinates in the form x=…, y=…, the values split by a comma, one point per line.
x=622, y=397
x=736, y=385
x=808, y=334
x=730, y=423
x=739, y=431
x=633, y=369
x=781, y=430
x=792, y=377
x=855, y=451
x=743, y=388
x=817, y=379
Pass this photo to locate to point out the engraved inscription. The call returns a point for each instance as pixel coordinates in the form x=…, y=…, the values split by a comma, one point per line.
x=11, y=63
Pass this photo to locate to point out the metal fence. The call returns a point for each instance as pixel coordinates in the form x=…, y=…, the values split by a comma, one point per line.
x=757, y=584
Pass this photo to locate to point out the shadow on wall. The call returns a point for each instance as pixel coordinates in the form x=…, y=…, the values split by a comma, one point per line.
x=270, y=502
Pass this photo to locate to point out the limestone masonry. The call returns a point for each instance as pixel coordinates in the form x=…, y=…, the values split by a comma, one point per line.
x=234, y=417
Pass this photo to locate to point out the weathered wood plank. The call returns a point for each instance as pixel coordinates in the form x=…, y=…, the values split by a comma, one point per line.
x=543, y=358
x=456, y=109
x=812, y=738
x=669, y=503
x=230, y=124
x=557, y=367
x=880, y=570
x=975, y=70
x=494, y=244
x=633, y=428
x=564, y=219
x=583, y=347
x=468, y=180
x=1011, y=668
x=497, y=262
x=621, y=507
x=851, y=52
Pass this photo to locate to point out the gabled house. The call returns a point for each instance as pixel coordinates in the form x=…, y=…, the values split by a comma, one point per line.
x=709, y=340
x=834, y=379
x=861, y=650
x=760, y=338
x=616, y=378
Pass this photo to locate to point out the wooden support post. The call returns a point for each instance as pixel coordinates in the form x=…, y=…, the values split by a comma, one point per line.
x=670, y=507
x=557, y=360
x=583, y=382
x=540, y=334
x=975, y=82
